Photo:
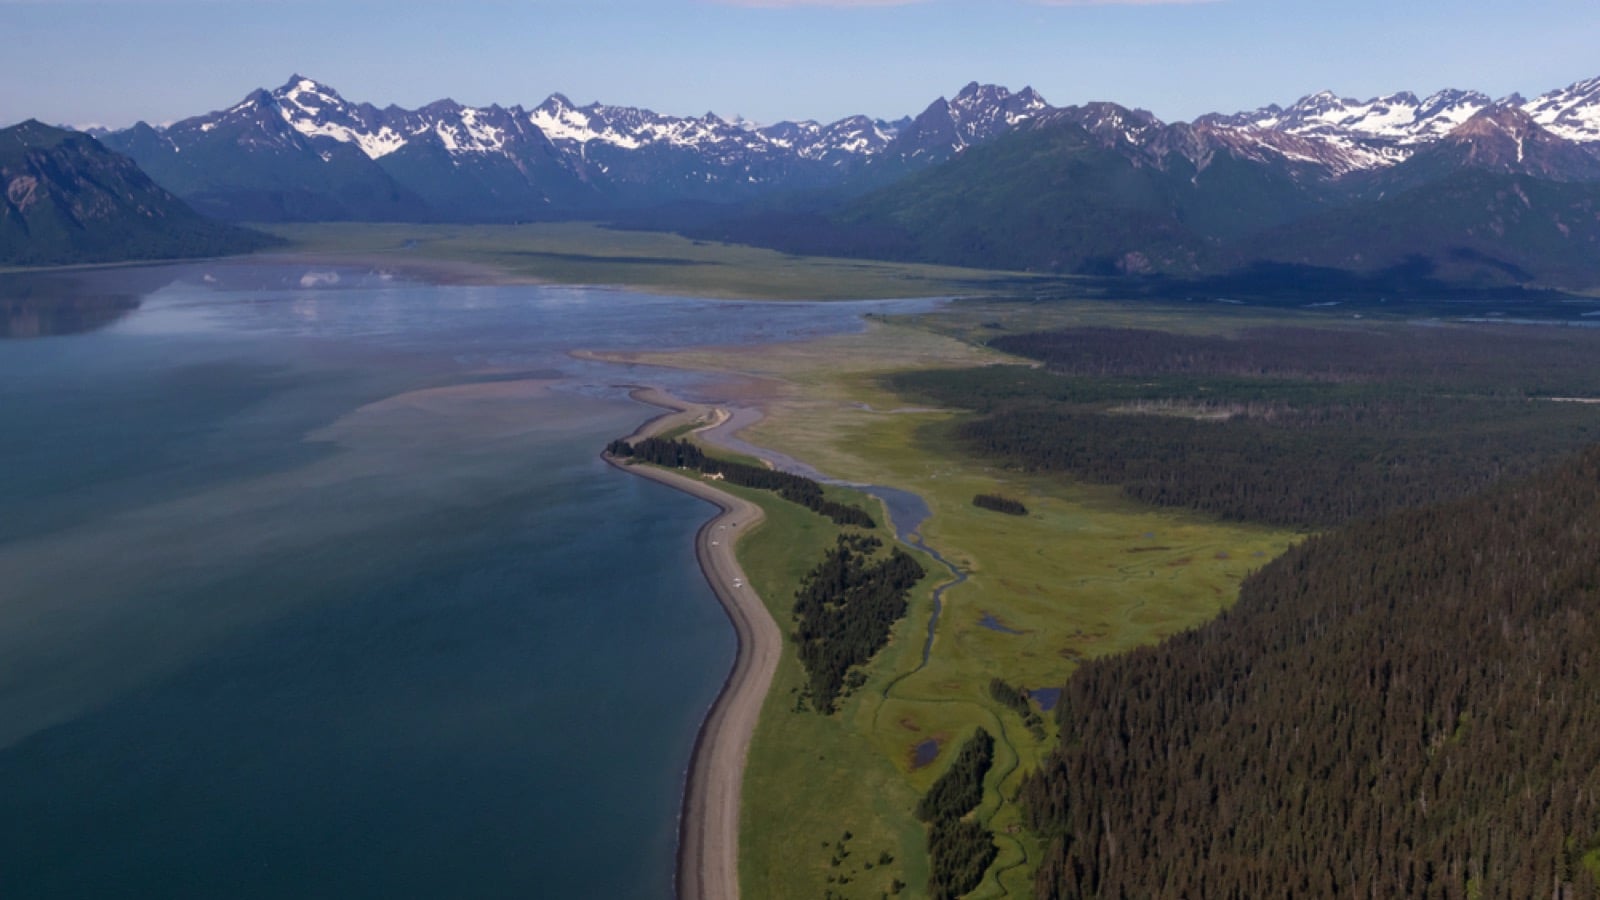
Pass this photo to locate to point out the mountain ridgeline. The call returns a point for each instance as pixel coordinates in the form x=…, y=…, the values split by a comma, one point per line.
x=1455, y=187
x=64, y=198
x=1500, y=199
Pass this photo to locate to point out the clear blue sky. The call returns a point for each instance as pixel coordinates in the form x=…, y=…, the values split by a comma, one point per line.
x=117, y=61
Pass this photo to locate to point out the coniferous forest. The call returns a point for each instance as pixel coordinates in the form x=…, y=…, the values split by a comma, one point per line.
x=1408, y=707
x=1290, y=426
x=960, y=849
x=794, y=488
x=844, y=612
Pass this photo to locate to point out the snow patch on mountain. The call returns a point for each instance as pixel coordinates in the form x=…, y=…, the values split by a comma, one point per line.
x=1572, y=112
x=562, y=122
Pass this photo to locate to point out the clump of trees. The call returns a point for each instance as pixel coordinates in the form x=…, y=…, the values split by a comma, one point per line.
x=1017, y=700
x=960, y=849
x=794, y=488
x=1402, y=708
x=1000, y=504
x=844, y=611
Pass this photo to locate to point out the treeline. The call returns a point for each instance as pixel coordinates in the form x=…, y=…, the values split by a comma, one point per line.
x=1317, y=467
x=1017, y=700
x=844, y=612
x=1287, y=426
x=1403, y=708
x=1480, y=359
x=794, y=488
x=1000, y=504
x=960, y=849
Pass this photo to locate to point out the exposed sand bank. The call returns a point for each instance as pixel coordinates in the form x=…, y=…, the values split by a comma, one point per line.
x=708, y=833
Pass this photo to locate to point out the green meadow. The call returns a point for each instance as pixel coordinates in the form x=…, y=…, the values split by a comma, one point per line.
x=1084, y=574
x=811, y=779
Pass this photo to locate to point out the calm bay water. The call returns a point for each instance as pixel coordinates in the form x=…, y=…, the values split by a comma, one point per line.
x=311, y=584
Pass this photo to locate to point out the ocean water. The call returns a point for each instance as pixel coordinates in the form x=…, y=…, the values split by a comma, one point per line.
x=312, y=585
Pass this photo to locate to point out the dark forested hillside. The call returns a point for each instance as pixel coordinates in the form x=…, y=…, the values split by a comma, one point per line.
x=66, y=199
x=1467, y=227
x=1187, y=202
x=1405, y=708
x=1296, y=426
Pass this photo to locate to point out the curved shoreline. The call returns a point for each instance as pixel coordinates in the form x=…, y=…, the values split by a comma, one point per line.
x=708, y=826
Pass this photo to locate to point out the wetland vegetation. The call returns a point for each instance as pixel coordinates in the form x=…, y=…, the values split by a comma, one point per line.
x=1085, y=573
x=1386, y=417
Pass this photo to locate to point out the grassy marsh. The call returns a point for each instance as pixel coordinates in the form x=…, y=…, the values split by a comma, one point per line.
x=1085, y=573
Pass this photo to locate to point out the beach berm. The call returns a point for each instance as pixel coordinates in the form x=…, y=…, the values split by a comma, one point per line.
x=708, y=832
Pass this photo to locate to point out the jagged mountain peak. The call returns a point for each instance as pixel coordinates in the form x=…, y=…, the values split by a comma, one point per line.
x=557, y=101
x=300, y=86
x=1497, y=119
x=574, y=154
x=972, y=90
x=975, y=96
x=1507, y=139
x=1346, y=134
x=1572, y=112
x=1111, y=123
x=977, y=113
x=1440, y=103
x=1031, y=97
x=445, y=107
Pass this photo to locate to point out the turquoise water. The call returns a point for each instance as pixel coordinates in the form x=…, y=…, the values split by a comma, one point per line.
x=312, y=585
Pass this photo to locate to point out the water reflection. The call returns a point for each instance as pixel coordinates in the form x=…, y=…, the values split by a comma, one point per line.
x=43, y=305
x=55, y=303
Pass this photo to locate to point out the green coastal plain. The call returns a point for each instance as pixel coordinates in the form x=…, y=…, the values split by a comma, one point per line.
x=1130, y=450
x=1084, y=574
x=829, y=800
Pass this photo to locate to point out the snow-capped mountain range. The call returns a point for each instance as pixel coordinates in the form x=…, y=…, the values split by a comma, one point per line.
x=253, y=160
x=304, y=151
x=1387, y=130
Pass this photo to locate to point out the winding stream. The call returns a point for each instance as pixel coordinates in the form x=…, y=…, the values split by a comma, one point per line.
x=907, y=511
